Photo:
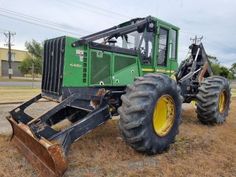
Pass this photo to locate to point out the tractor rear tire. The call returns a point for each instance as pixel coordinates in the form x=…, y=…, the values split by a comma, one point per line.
x=140, y=113
x=213, y=100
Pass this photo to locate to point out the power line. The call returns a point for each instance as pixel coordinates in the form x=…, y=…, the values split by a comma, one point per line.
x=41, y=25
x=56, y=26
x=103, y=9
x=35, y=18
x=96, y=11
x=35, y=21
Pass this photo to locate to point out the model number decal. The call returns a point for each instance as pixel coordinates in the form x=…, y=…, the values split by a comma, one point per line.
x=75, y=65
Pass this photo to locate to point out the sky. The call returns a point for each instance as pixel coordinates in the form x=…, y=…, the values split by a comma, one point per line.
x=215, y=20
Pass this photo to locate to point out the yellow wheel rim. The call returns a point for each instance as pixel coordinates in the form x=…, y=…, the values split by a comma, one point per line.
x=194, y=103
x=222, y=101
x=164, y=115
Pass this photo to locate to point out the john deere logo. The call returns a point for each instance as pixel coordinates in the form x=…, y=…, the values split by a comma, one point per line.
x=99, y=54
x=80, y=53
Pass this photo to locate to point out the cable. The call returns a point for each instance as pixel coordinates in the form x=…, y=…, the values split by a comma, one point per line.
x=102, y=9
x=103, y=13
x=15, y=18
x=35, y=18
x=52, y=25
x=35, y=21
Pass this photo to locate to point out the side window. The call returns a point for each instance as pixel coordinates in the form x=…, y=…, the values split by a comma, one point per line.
x=163, y=44
x=174, y=44
x=146, y=47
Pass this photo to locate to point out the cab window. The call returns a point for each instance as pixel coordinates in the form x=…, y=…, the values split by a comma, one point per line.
x=162, y=48
x=146, y=47
x=173, y=53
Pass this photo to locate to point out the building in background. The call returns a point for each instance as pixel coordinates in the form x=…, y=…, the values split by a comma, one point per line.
x=17, y=57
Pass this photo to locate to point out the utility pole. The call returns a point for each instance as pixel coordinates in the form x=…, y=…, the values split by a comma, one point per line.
x=9, y=44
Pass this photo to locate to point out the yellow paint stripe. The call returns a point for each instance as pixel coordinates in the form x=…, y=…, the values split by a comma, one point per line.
x=147, y=69
x=165, y=71
x=158, y=70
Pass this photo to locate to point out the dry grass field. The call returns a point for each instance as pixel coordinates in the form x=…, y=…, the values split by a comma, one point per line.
x=17, y=94
x=199, y=150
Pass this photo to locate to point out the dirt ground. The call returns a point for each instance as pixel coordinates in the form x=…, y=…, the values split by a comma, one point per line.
x=199, y=150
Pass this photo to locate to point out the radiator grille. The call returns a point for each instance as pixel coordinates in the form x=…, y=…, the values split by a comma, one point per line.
x=123, y=62
x=85, y=60
x=53, y=60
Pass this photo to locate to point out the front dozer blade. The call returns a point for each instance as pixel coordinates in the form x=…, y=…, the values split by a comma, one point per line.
x=46, y=146
x=46, y=157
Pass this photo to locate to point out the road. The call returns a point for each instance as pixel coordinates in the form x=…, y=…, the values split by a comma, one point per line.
x=5, y=128
x=20, y=84
x=233, y=84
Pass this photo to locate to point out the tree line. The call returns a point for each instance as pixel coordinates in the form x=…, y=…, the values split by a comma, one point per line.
x=219, y=69
x=33, y=62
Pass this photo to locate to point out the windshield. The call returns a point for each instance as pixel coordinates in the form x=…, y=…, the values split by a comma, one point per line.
x=127, y=41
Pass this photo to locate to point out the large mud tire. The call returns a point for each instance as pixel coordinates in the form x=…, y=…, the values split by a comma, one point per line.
x=213, y=100
x=137, y=113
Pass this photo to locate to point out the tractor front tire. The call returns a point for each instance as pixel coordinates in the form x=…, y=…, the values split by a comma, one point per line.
x=150, y=113
x=213, y=100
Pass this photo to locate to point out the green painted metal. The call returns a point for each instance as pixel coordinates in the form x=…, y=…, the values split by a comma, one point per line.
x=73, y=65
x=126, y=73
x=85, y=67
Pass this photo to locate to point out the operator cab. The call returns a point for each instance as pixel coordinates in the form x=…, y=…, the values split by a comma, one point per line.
x=153, y=40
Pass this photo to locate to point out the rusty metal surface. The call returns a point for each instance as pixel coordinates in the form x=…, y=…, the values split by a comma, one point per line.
x=46, y=157
x=203, y=72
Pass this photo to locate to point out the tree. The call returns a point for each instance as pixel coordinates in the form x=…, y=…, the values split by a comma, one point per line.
x=25, y=66
x=233, y=68
x=220, y=70
x=224, y=72
x=35, y=50
x=215, y=65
